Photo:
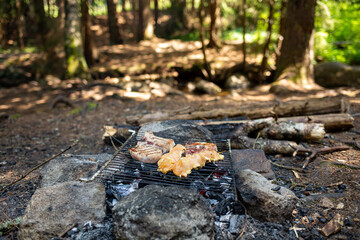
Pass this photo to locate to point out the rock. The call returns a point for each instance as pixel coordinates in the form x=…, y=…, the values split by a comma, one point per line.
x=180, y=130
x=251, y=159
x=53, y=209
x=237, y=82
x=71, y=168
x=326, y=203
x=156, y=212
x=256, y=229
x=335, y=74
x=261, y=201
x=204, y=86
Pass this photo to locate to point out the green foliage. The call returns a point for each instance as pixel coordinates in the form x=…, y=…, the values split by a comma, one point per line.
x=8, y=225
x=15, y=116
x=337, y=35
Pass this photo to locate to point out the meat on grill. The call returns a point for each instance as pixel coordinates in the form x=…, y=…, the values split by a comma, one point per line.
x=197, y=154
x=168, y=160
x=146, y=153
x=151, y=148
x=164, y=144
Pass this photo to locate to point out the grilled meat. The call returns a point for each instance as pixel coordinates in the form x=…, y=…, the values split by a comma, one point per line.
x=163, y=143
x=146, y=153
x=168, y=160
x=197, y=154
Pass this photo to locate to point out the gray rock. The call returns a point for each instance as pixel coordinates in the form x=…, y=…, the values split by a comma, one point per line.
x=202, y=85
x=251, y=159
x=256, y=229
x=156, y=212
x=237, y=82
x=261, y=201
x=335, y=74
x=53, y=209
x=180, y=130
x=71, y=168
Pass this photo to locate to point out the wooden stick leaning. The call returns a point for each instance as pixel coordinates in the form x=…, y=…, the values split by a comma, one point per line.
x=38, y=166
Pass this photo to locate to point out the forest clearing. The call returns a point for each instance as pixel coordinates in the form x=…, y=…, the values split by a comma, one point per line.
x=272, y=85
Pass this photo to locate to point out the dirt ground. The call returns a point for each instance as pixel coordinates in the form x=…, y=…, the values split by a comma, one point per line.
x=35, y=130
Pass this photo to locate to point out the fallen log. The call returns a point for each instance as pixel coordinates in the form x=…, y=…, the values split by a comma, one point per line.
x=332, y=122
x=267, y=145
x=294, y=131
x=252, y=111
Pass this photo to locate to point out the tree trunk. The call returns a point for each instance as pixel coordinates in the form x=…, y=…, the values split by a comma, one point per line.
x=19, y=24
x=214, y=10
x=156, y=12
x=244, y=32
x=281, y=27
x=178, y=10
x=41, y=21
x=76, y=64
x=207, y=66
x=123, y=5
x=268, y=38
x=115, y=37
x=296, y=54
x=90, y=52
x=145, y=24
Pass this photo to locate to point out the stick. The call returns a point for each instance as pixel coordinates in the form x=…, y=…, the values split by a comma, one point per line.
x=342, y=164
x=288, y=167
x=62, y=234
x=41, y=164
x=315, y=152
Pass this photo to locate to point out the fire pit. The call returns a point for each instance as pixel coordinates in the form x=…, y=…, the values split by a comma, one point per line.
x=212, y=178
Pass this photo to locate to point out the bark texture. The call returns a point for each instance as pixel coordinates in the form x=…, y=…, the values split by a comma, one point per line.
x=75, y=60
x=214, y=10
x=90, y=52
x=115, y=37
x=145, y=24
x=295, y=61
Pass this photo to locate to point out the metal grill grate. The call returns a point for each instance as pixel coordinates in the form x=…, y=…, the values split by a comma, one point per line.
x=217, y=177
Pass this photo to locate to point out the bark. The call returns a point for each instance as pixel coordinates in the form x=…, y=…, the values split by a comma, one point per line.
x=294, y=131
x=202, y=39
x=214, y=9
x=123, y=5
x=20, y=24
x=114, y=30
x=253, y=110
x=75, y=60
x=156, y=12
x=90, y=51
x=41, y=21
x=145, y=24
x=267, y=145
x=268, y=38
x=281, y=27
x=295, y=61
x=244, y=32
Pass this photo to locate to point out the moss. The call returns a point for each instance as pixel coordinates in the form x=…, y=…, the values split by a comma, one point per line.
x=76, y=64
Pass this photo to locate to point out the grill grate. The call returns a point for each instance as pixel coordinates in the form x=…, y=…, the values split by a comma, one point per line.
x=216, y=177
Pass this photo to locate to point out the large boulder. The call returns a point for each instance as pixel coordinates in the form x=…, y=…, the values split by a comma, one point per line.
x=335, y=74
x=71, y=168
x=156, y=212
x=253, y=159
x=264, y=200
x=53, y=209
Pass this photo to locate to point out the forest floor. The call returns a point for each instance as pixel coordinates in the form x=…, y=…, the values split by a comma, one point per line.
x=35, y=130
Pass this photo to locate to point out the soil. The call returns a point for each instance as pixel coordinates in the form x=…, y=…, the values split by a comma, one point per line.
x=34, y=130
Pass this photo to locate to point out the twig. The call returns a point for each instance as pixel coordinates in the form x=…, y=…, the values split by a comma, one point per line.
x=62, y=234
x=244, y=227
x=38, y=166
x=288, y=167
x=342, y=164
x=315, y=152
